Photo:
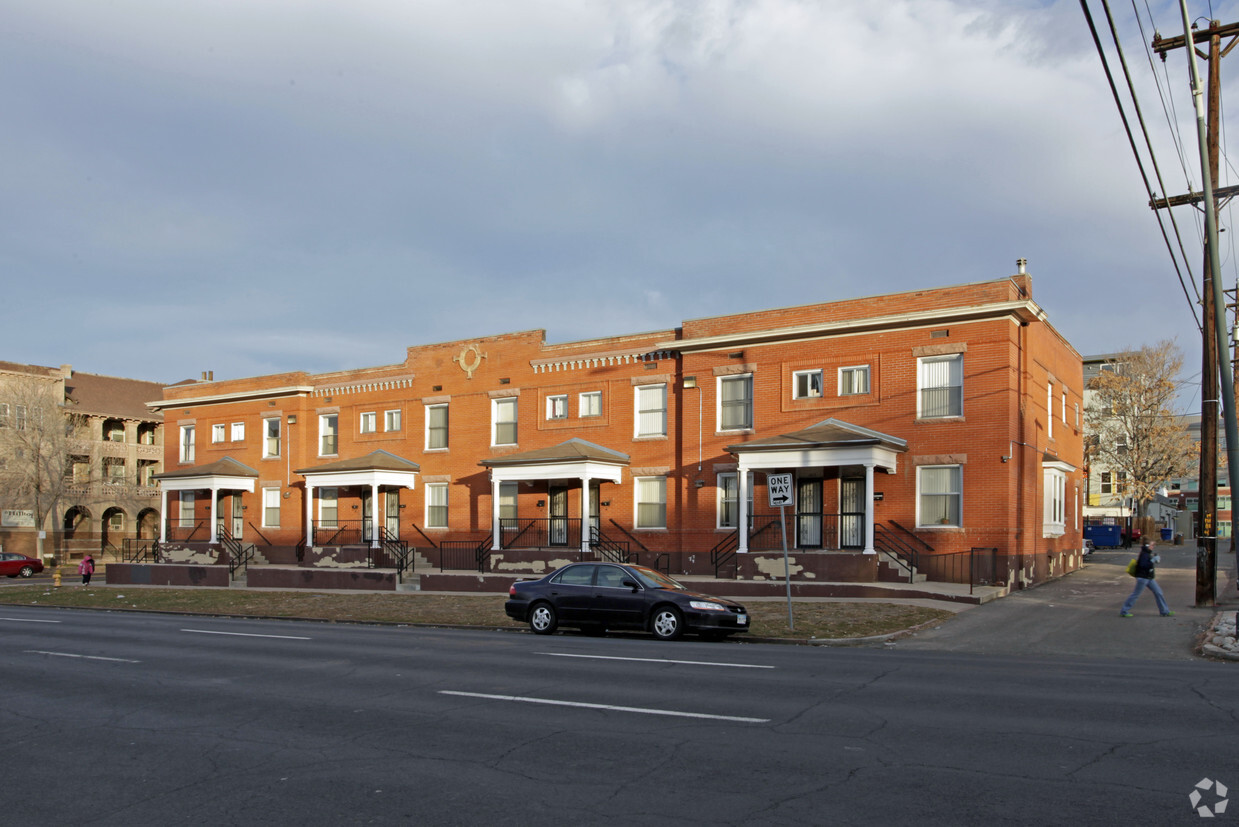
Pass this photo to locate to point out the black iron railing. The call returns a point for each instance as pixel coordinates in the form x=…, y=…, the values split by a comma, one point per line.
x=343, y=533
x=540, y=532
x=183, y=532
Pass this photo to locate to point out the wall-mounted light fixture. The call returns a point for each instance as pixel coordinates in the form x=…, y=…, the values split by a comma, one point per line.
x=690, y=381
x=541, y=503
x=292, y=419
x=1004, y=459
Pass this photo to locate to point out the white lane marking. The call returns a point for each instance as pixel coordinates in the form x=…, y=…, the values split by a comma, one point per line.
x=609, y=707
x=83, y=657
x=26, y=620
x=657, y=660
x=244, y=634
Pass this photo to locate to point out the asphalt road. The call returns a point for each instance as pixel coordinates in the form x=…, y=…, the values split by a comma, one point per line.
x=117, y=719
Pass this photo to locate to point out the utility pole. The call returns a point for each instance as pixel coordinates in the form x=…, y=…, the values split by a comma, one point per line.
x=1206, y=550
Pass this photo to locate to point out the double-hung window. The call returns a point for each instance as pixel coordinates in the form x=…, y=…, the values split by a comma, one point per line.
x=589, y=404
x=271, y=437
x=368, y=422
x=940, y=491
x=729, y=500
x=854, y=380
x=436, y=427
x=1054, y=515
x=807, y=384
x=503, y=413
x=436, y=505
x=557, y=406
x=735, y=402
x=651, y=502
x=271, y=507
x=328, y=507
x=652, y=410
x=328, y=435
x=187, y=443
x=217, y=433
x=507, y=505
x=185, y=513
x=238, y=432
x=391, y=420
x=941, y=386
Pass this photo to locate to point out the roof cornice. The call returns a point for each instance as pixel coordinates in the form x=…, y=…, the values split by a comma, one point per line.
x=236, y=396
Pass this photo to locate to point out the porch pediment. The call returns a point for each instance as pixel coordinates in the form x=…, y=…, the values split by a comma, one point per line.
x=831, y=442
x=573, y=458
x=375, y=468
x=223, y=474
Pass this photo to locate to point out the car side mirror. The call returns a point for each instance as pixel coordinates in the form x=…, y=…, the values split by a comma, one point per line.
x=632, y=584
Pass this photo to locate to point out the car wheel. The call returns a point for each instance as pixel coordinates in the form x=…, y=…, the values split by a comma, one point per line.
x=542, y=619
x=27, y=571
x=667, y=623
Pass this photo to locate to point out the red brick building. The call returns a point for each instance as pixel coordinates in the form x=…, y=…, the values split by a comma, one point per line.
x=916, y=427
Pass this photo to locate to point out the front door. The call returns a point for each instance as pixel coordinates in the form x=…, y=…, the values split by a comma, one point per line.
x=367, y=516
x=808, y=514
x=559, y=515
x=852, y=513
x=392, y=514
x=238, y=518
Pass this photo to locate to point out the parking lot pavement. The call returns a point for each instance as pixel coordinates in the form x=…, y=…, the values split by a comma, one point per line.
x=1079, y=614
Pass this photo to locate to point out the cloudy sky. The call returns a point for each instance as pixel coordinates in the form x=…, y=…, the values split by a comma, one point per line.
x=254, y=186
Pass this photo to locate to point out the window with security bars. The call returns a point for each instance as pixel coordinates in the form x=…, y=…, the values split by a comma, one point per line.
x=436, y=427
x=940, y=494
x=436, y=505
x=651, y=502
x=941, y=381
x=736, y=403
x=652, y=410
x=504, y=413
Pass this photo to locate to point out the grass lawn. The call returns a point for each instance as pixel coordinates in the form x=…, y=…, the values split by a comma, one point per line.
x=769, y=618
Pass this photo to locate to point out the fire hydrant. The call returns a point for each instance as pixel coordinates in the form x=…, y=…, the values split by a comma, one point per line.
x=56, y=577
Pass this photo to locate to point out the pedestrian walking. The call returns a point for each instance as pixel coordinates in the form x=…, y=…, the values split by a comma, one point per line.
x=1144, y=574
x=86, y=568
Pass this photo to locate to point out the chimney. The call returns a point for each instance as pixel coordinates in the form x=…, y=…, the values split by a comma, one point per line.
x=1021, y=266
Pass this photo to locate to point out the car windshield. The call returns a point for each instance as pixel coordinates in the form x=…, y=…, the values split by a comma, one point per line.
x=656, y=579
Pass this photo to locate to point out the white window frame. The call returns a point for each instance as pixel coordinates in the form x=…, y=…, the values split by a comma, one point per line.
x=854, y=371
x=557, y=406
x=392, y=420
x=1049, y=410
x=267, y=437
x=219, y=432
x=187, y=443
x=436, y=500
x=509, y=500
x=185, y=510
x=804, y=385
x=722, y=382
x=1054, y=512
x=650, y=410
x=589, y=404
x=724, y=500
x=368, y=422
x=431, y=429
x=956, y=362
x=237, y=432
x=957, y=494
x=270, y=507
x=325, y=496
x=501, y=405
x=644, y=487
x=324, y=432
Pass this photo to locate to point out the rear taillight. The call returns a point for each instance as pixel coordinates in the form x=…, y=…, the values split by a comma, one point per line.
x=512, y=590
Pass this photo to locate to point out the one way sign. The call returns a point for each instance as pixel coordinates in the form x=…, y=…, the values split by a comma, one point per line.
x=780, y=488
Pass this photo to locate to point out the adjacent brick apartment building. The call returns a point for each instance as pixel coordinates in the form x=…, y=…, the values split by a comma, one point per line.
x=916, y=426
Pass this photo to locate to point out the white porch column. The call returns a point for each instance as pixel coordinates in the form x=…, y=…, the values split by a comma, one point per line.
x=214, y=513
x=742, y=507
x=494, y=514
x=163, y=522
x=869, y=509
x=585, y=513
x=309, y=513
x=375, y=507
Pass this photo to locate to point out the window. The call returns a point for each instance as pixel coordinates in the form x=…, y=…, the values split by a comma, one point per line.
x=1223, y=502
x=507, y=504
x=187, y=443
x=328, y=507
x=436, y=427
x=271, y=507
x=19, y=417
x=651, y=502
x=939, y=495
x=115, y=469
x=557, y=407
x=1107, y=482
x=941, y=381
x=391, y=421
x=186, y=511
x=590, y=404
x=806, y=384
x=1223, y=528
x=1191, y=503
x=328, y=434
x=368, y=423
x=116, y=521
x=81, y=468
x=652, y=410
x=1049, y=410
x=238, y=432
x=729, y=500
x=436, y=505
x=1054, y=515
x=854, y=380
x=217, y=433
x=503, y=413
x=1063, y=409
x=735, y=402
x=5, y=413
x=271, y=438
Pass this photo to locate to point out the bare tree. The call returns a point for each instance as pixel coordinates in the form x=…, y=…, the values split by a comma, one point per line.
x=1130, y=425
x=38, y=438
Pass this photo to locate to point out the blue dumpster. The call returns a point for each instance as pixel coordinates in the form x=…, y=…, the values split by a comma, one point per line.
x=1104, y=536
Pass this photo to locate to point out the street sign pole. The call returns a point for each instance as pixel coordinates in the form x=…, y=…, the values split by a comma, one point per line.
x=779, y=488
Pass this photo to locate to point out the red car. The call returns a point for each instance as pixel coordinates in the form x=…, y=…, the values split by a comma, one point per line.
x=18, y=565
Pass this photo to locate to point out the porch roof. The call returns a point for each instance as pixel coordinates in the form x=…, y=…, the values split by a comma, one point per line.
x=831, y=442
x=375, y=468
x=224, y=473
x=572, y=458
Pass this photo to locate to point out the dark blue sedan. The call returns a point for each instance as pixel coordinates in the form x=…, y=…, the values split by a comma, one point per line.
x=595, y=597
